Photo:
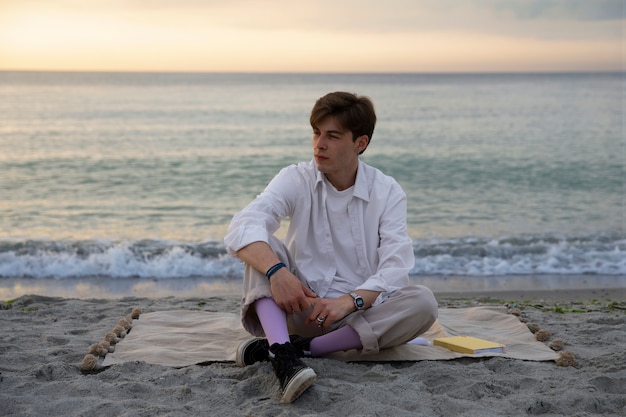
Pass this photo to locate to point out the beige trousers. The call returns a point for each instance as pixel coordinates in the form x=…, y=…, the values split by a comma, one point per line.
x=402, y=316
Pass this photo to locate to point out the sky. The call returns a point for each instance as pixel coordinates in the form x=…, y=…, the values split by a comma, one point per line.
x=312, y=35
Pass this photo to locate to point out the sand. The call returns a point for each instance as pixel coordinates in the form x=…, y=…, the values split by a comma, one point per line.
x=44, y=339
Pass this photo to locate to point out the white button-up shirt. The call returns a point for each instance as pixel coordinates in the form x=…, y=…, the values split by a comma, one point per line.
x=377, y=212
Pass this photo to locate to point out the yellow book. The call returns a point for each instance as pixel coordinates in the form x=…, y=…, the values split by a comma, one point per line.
x=469, y=344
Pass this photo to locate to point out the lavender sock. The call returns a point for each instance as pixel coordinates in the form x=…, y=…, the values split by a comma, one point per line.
x=344, y=338
x=273, y=320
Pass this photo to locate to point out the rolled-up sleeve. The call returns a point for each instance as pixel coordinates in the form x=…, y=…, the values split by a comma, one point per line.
x=262, y=217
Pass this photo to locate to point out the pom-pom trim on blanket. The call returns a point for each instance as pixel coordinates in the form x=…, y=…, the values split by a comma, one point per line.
x=566, y=358
x=97, y=351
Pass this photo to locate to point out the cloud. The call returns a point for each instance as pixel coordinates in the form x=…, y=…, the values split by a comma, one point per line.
x=585, y=10
x=391, y=10
x=536, y=19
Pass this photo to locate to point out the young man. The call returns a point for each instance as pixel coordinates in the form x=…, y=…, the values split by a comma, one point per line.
x=339, y=281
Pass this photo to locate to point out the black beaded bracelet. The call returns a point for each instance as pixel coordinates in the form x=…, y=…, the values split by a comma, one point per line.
x=273, y=269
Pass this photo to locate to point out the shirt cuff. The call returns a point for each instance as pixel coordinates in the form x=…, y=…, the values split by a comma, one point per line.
x=243, y=237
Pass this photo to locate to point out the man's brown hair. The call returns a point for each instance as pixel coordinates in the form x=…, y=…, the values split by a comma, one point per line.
x=353, y=112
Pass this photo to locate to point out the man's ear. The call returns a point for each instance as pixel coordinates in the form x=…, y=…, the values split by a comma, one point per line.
x=362, y=142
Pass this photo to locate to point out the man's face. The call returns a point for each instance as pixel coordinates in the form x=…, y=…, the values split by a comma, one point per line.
x=336, y=154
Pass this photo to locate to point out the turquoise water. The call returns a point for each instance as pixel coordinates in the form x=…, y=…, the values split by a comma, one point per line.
x=138, y=175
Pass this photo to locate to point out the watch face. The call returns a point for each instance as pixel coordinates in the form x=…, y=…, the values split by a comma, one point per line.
x=359, y=302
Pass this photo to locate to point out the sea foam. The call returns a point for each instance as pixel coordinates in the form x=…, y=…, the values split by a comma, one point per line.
x=162, y=259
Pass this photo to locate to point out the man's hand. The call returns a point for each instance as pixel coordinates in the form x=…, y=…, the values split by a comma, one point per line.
x=291, y=294
x=330, y=310
x=287, y=290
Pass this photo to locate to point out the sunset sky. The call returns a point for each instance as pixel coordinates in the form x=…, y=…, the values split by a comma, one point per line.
x=312, y=36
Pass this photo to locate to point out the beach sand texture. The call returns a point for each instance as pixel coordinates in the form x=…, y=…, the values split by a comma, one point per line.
x=43, y=341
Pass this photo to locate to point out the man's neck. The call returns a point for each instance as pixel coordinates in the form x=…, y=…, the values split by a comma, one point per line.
x=342, y=183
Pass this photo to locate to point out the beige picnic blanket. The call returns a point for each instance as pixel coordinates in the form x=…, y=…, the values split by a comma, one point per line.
x=183, y=338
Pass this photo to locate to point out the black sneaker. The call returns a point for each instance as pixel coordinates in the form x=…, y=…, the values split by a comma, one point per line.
x=257, y=349
x=252, y=351
x=294, y=376
x=302, y=345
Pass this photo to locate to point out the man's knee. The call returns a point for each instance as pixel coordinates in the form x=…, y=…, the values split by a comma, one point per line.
x=430, y=306
x=423, y=304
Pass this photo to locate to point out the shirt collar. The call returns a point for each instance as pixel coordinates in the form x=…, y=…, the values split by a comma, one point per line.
x=361, y=188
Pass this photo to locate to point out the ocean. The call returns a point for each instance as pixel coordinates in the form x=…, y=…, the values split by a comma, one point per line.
x=110, y=178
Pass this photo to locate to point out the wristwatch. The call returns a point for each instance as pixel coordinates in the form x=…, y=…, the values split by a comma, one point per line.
x=358, y=301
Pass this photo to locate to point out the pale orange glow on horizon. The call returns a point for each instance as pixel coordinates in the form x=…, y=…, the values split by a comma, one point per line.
x=34, y=37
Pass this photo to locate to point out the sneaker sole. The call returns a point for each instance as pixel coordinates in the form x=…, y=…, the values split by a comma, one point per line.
x=298, y=384
x=239, y=359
